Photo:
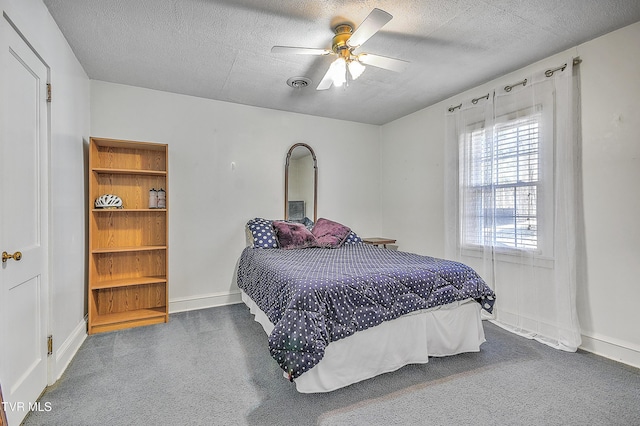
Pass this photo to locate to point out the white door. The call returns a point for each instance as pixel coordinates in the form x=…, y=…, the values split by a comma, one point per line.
x=23, y=223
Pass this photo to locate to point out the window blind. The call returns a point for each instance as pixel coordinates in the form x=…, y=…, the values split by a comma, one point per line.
x=501, y=185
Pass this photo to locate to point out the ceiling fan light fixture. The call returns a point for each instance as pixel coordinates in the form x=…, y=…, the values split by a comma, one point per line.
x=355, y=68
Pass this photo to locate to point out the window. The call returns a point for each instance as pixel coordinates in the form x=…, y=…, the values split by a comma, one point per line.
x=502, y=184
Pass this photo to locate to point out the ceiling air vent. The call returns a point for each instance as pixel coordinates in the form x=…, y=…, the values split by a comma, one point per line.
x=298, y=82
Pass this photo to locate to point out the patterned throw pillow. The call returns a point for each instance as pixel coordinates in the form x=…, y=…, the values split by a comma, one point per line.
x=352, y=238
x=293, y=235
x=330, y=234
x=262, y=232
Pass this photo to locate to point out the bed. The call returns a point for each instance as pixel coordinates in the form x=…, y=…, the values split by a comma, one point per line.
x=339, y=315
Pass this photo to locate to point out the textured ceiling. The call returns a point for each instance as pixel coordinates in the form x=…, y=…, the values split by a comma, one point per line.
x=222, y=49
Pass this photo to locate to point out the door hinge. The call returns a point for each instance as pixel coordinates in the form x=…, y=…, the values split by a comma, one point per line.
x=48, y=92
x=50, y=344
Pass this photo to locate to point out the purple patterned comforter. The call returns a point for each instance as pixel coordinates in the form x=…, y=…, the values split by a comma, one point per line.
x=315, y=296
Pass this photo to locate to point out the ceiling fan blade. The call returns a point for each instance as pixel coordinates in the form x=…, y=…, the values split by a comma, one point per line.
x=326, y=81
x=392, y=64
x=371, y=24
x=300, y=50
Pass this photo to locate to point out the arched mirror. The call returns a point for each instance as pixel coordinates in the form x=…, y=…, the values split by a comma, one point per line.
x=300, y=183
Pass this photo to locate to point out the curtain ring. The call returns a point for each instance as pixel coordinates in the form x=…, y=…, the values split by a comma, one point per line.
x=475, y=101
x=549, y=73
x=508, y=88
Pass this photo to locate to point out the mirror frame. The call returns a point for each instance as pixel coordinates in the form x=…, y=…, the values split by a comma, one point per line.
x=315, y=180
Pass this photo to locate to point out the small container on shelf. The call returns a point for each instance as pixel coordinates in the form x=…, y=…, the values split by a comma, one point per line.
x=162, y=199
x=153, y=198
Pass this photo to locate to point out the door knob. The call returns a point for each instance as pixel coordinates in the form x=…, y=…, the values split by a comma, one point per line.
x=15, y=256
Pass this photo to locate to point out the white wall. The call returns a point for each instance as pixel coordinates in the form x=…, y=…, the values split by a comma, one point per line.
x=608, y=308
x=69, y=123
x=412, y=189
x=209, y=202
x=413, y=181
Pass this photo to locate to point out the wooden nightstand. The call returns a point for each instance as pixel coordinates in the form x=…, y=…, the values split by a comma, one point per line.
x=377, y=241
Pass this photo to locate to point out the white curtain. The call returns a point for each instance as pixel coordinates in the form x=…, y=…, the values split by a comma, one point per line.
x=511, y=200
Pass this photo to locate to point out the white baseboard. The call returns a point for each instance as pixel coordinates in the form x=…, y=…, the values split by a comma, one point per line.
x=67, y=350
x=203, y=301
x=620, y=351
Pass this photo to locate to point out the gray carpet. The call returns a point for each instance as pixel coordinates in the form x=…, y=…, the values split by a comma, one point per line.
x=212, y=367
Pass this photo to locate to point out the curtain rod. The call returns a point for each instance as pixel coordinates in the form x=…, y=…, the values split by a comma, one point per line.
x=547, y=73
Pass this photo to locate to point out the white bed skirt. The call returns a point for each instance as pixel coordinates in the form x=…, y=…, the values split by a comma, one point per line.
x=411, y=339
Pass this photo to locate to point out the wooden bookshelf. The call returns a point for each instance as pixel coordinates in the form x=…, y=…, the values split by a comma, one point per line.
x=128, y=247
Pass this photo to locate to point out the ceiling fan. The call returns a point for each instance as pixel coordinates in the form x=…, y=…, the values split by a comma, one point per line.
x=350, y=65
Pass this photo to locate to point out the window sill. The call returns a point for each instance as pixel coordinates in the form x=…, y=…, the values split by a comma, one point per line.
x=512, y=256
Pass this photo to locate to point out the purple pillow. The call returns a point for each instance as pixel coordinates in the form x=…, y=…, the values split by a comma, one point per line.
x=330, y=234
x=293, y=235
